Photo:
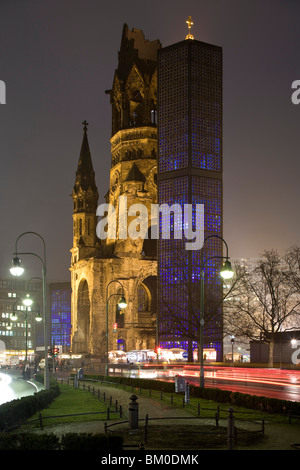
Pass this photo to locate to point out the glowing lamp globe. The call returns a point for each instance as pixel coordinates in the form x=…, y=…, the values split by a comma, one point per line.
x=122, y=302
x=227, y=271
x=27, y=301
x=16, y=269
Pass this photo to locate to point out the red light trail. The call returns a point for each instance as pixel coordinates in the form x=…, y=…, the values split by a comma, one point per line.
x=276, y=383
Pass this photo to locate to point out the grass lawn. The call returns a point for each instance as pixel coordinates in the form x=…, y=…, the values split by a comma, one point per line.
x=73, y=402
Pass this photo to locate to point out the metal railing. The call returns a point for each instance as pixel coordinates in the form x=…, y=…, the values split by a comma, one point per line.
x=201, y=413
x=42, y=418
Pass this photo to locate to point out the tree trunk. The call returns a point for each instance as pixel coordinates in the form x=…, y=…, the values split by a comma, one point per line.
x=271, y=353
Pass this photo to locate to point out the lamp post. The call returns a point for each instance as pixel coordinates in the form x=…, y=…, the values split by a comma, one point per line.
x=122, y=304
x=232, y=343
x=17, y=270
x=226, y=273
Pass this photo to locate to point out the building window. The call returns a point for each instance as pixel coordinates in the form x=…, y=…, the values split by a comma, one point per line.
x=143, y=299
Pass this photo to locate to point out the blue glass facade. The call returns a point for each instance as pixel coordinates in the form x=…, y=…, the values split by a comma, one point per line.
x=60, y=304
x=190, y=172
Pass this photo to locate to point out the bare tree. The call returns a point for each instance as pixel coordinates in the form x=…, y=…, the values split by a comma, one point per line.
x=267, y=299
x=292, y=258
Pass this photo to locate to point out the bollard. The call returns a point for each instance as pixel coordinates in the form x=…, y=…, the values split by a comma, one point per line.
x=146, y=429
x=133, y=417
x=41, y=421
x=187, y=393
x=230, y=430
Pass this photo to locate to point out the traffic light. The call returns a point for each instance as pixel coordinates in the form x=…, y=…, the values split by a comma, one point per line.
x=55, y=352
x=49, y=351
x=115, y=327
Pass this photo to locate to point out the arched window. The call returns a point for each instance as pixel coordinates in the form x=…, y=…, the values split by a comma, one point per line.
x=121, y=344
x=120, y=314
x=153, y=116
x=143, y=299
x=136, y=101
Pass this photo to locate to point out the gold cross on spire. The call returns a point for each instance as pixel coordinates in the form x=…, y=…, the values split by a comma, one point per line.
x=190, y=24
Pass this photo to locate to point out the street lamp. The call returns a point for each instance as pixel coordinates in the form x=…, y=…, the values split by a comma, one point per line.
x=226, y=273
x=122, y=304
x=232, y=343
x=28, y=301
x=17, y=270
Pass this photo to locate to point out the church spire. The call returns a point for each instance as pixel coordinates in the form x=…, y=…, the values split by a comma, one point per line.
x=85, y=176
x=85, y=193
x=85, y=197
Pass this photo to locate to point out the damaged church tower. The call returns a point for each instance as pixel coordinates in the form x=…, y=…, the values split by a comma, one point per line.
x=104, y=269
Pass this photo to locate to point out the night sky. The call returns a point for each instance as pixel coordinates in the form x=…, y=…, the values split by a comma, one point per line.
x=57, y=58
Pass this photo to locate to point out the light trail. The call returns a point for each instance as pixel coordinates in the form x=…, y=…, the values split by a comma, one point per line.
x=6, y=393
x=277, y=383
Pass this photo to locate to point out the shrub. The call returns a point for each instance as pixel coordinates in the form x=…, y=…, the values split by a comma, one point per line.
x=17, y=411
x=28, y=441
x=85, y=441
x=70, y=441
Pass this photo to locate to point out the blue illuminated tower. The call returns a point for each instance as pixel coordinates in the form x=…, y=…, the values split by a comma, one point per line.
x=60, y=304
x=190, y=171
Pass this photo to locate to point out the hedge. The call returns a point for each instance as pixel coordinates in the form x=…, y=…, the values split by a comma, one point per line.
x=167, y=387
x=253, y=402
x=69, y=441
x=86, y=441
x=17, y=411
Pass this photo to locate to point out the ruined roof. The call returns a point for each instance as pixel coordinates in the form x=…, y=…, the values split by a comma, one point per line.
x=136, y=49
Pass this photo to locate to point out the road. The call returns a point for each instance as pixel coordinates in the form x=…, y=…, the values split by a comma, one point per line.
x=274, y=383
x=13, y=387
